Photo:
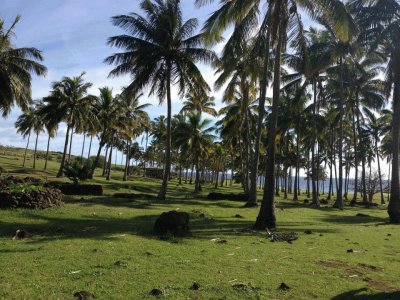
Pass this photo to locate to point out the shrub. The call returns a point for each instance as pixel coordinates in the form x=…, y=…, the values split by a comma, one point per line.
x=78, y=171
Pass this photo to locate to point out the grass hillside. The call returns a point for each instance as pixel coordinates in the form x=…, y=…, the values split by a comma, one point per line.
x=105, y=245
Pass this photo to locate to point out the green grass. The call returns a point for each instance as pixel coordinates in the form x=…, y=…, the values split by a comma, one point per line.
x=75, y=247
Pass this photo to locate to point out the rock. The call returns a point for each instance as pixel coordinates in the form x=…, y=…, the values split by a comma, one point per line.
x=238, y=216
x=22, y=234
x=83, y=295
x=172, y=222
x=308, y=232
x=350, y=250
x=241, y=286
x=195, y=286
x=120, y=263
x=283, y=287
x=156, y=292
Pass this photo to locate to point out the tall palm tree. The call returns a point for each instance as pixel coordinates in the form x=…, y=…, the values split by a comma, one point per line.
x=380, y=21
x=16, y=67
x=69, y=102
x=197, y=135
x=24, y=125
x=161, y=51
x=197, y=103
x=280, y=16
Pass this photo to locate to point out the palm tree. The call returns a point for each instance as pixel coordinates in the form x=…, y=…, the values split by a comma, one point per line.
x=69, y=102
x=280, y=16
x=16, y=67
x=195, y=135
x=380, y=21
x=37, y=126
x=161, y=51
x=196, y=103
x=24, y=125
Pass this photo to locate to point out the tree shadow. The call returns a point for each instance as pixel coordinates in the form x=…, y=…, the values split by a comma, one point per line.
x=360, y=295
x=352, y=220
x=48, y=228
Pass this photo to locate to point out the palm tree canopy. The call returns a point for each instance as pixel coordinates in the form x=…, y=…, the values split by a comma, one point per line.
x=158, y=47
x=16, y=67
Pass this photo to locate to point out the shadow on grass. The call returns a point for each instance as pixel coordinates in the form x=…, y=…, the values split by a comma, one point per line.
x=48, y=228
x=345, y=219
x=359, y=295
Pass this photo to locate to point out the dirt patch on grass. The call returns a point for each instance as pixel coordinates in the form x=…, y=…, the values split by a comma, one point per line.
x=379, y=285
x=359, y=271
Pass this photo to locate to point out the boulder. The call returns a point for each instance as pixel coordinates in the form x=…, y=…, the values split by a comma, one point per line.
x=173, y=222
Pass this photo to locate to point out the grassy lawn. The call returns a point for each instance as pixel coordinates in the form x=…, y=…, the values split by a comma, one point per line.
x=76, y=246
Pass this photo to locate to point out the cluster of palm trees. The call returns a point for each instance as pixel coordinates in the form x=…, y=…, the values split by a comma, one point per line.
x=116, y=120
x=296, y=98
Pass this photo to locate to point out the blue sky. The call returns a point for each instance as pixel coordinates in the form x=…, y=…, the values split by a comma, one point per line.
x=72, y=35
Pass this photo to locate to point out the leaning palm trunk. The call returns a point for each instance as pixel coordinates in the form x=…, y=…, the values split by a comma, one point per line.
x=96, y=161
x=127, y=159
x=83, y=146
x=109, y=164
x=266, y=217
x=26, y=149
x=47, y=152
x=394, y=203
x=339, y=196
x=61, y=170
x=90, y=147
x=34, y=152
x=167, y=169
x=252, y=200
x=70, y=144
x=379, y=171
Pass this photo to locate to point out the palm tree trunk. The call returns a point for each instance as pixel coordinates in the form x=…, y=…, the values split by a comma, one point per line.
x=34, y=152
x=61, y=170
x=90, y=146
x=197, y=180
x=47, y=152
x=252, y=200
x=105, y=162
x=26, y=149
x=394, y=203
x=128, y=150
x=109, y=163
x=354, y=200
x=379, y=171
x=314, y=178
x=83, y=145
x=339, y=194
x=167, y=169
x=266, y=217
x=70, y=144
x=96, y=161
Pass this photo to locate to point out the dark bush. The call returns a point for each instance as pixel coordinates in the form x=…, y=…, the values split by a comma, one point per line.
x=77, y=189
x=78, y=171
x=173, y=222
x=132, y=196
x=230, y=196
x=101, y=161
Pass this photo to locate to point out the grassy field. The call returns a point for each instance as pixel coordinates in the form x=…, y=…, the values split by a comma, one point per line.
x=76, y=247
